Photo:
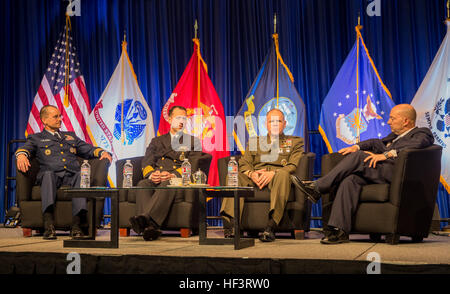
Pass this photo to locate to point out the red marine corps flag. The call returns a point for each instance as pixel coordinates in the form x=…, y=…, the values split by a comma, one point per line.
x=206, y=117
x=63, y=86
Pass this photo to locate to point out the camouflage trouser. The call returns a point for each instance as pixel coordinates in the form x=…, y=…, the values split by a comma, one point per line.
x=280, y=188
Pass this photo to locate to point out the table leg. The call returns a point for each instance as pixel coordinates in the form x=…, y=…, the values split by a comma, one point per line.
x=91, y=218
x=238, y=242
x=114, y=232
x=115, y=219
x=202, y=218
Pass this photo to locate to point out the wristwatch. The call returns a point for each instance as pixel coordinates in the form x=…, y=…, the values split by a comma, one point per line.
x=386, y=154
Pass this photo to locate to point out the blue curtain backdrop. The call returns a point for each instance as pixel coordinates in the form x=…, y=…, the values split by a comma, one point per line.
x=315, y=36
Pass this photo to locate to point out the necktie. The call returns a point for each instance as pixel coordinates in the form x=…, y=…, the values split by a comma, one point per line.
x=57, y=135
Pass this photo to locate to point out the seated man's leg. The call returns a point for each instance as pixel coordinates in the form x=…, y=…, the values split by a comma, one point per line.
x=79, y=206
x=351, y=163
x=227, y=208
x=344, y=207
x=143, y=197
x=153, y=209
x=49, y=183
x=140, y=221
x=280, y=188
x=160, y=203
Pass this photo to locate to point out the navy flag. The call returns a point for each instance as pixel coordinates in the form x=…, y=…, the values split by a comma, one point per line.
x=272, y=88
x=358, y=104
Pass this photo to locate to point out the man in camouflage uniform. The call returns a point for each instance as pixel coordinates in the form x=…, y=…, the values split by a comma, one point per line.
x=267, y=161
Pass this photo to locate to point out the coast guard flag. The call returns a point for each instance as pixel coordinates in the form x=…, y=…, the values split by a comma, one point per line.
x=358, y=104
x=273, y=88
x=121, y=121
x=432, y=103
x=63, y=86
x=206, y=117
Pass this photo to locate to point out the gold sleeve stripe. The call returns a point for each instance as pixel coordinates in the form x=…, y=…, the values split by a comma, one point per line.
x=148, y=169
x=23, y=150
x=179, y=170
x=97, y=152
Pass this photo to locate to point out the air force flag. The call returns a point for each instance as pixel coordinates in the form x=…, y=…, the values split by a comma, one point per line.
x=432, y=103
x=121, y=121
x=358, y=104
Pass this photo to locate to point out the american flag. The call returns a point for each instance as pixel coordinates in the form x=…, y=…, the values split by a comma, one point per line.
x=52, y=90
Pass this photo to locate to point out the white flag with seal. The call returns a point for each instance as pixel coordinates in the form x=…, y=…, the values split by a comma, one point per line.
x=121, y=121
x=432, y=103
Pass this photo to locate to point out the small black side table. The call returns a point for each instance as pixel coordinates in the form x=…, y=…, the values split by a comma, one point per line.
x=224, y=191
x=91, y=195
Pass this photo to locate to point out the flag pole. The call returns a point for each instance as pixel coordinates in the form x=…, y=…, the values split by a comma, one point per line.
x=275, y=34
x=198, y=62
x=122, y=90
x=358, y=115
x=448, y=9
x=67, y=63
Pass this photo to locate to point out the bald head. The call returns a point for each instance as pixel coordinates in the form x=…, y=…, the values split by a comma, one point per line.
x=402, y=118
x=406, y=111
x=43, y=113
x=275, y=122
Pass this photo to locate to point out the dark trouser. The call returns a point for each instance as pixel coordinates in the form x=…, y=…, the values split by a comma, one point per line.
x=155, y=204
x=50, y=182
x=350, y=175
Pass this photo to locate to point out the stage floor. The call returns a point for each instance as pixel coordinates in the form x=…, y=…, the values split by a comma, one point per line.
x=186, y=256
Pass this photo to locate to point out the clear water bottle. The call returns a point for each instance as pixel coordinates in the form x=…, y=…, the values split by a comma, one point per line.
x=232, y=172
x=186, y=172
x=85, y=175
x=127, y=174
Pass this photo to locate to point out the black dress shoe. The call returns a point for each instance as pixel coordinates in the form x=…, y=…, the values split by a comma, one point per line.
x=307, y=188
x=151, y=233
x=76, y=233
x=138, y=223
x=267, y=236
x=336, y=237
x=50, y=233
x=228, y=228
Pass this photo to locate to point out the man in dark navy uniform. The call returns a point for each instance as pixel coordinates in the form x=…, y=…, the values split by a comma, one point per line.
x=162, y=161
x=57, y=153
x=369, y=161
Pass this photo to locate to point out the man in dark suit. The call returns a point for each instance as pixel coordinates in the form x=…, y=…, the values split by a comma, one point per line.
x=162, y=161
x=369, y=161
x=267, y=161
x=57, y=153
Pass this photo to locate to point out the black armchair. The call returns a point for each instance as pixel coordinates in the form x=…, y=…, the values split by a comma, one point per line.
x=297, y=214
x=29, y=198
x=184, y=213
x=404, y=207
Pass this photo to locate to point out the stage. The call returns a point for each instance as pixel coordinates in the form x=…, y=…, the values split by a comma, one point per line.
x=175, y=255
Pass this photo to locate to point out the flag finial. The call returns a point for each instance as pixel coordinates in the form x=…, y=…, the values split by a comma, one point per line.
x=275, y=23
x=195, y=29
x=359, y=26
x=124, y=42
